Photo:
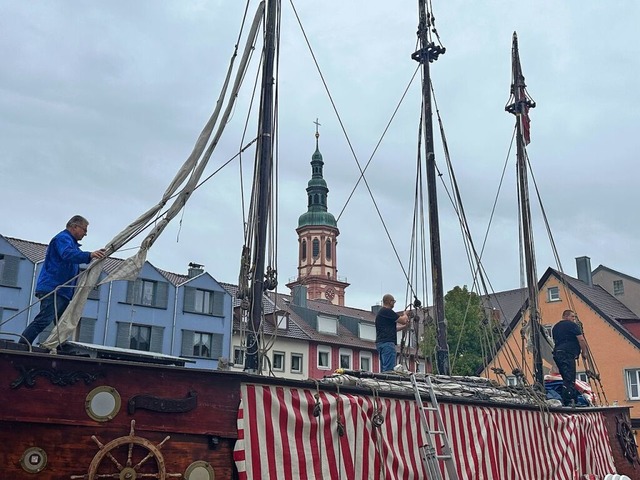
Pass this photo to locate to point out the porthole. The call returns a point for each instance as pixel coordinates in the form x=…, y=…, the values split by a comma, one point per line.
x=199, y=470
x=103, y=403
x=33, y=460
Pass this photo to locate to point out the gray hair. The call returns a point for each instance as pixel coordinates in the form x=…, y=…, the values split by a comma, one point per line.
x=77, y=220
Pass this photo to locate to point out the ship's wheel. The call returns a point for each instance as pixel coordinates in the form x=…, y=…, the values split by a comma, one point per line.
x=128, y=458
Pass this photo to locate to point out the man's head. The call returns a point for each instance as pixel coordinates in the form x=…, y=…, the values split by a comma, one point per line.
x=388, y=301
x=569, y=315
x=77, y=226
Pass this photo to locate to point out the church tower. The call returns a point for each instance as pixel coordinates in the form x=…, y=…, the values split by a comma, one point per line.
x=317, y=241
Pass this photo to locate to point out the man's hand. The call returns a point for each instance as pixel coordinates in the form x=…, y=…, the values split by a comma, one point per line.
x=99, y=254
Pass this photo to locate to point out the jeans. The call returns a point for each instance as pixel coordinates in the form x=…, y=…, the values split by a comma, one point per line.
x=566, y=363
x=49, y=307
x=387, y=353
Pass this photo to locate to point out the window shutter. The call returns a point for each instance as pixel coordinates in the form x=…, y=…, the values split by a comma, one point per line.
x=189, y=299
x=10, y=271
x=86, y=329
x=187, y=343
x=218, y=304
x=157, y=334
x=216, y=345
x=131, y=286
x=162, y=292
x=123, y=338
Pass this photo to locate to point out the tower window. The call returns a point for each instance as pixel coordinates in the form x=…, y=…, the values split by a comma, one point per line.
x=303, y=250
x=316, y=248
x=328, y=250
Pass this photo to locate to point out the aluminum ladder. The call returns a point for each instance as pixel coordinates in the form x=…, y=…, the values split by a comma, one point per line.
x=430, y=458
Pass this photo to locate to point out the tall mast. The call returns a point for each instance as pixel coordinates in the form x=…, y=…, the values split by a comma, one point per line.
x=428, y=53
x=264, y=166
x=519, y=105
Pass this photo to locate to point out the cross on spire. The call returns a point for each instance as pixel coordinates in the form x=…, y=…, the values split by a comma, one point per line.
x=317, y=133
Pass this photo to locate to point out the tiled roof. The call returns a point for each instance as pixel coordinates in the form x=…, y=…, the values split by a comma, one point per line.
x=35, y=252
x=32, y=250
x=508, y=303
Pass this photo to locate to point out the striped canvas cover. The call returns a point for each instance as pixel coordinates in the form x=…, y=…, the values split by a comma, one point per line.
x=279, y=437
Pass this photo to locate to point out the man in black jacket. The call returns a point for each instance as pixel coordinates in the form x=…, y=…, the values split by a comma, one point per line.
x=569, y=344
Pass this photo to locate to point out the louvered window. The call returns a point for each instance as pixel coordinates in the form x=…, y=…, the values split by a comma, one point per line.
x=207, y=302
x=9, y=270
x=201, y=344
x=149, y=293
x=139, y=337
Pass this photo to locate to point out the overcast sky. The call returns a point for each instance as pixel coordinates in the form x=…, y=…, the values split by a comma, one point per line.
x=101, y=102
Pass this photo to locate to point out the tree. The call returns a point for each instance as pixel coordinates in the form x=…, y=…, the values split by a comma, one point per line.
x=466, y=324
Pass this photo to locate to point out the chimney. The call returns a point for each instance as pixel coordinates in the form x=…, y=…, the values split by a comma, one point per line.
x=583, y=266
x=299, y=294
x=195, y=269
x=375, y=308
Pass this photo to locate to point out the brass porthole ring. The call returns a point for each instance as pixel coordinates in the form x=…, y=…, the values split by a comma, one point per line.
x=103, y=403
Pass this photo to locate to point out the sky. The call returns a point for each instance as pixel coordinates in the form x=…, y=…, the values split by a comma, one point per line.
x=101, y=102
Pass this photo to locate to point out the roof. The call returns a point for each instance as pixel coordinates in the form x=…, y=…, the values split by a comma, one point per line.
x=608, y=307
x=36, y=252
x=620, y=274
x=508, y=304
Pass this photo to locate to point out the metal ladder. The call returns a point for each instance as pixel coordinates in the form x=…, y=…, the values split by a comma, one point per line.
x=430, y=458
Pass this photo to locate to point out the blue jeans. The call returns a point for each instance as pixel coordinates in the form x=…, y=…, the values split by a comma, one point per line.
x=387, y=353
x=49, y=306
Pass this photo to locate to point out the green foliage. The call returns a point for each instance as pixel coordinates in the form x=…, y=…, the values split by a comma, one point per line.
x=465, y=332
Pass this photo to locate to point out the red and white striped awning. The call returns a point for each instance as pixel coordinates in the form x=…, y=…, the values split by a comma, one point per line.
x=279, y=437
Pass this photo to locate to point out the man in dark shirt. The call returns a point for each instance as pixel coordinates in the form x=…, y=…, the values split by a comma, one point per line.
x=388, y=323
x=569, y=343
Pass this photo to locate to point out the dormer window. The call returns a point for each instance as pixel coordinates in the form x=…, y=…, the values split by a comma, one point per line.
x=327, y=325
x=282, y=321
x=368, y=331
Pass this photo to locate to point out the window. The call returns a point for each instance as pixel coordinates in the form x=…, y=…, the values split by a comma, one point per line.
x=582, y=376
x=618, y=287
x=328, y=325
x=147, y=292
x=345, y=358
x=553, y=294
x=282, y=321
x=316, y=248
x=201, y=344
x=547, y=330
x=278, y=361
x=238, y=356
x=296, y=363
x=368, y=331
x=139, y=337
x=365, y=361
x=327, y=252
x=206, y=302
x=324, y=358
x=633, y=384
x=303, y=250
x=85, y=331
x=512, y=381
x=9, y=270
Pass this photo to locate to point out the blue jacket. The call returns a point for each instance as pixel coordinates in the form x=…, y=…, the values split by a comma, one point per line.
x=61, y=264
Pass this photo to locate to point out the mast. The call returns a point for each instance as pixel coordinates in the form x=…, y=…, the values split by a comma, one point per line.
x=264, y=166
x=428, y=53
x=519, y=105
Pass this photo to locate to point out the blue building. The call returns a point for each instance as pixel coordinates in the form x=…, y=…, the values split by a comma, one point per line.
x=188, y=316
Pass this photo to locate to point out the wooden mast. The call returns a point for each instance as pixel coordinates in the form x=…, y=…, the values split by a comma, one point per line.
x=519, y=105
x=428, y=53
x=262, y=197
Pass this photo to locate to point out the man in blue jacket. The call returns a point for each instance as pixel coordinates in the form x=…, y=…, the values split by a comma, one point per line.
x=57, y=278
